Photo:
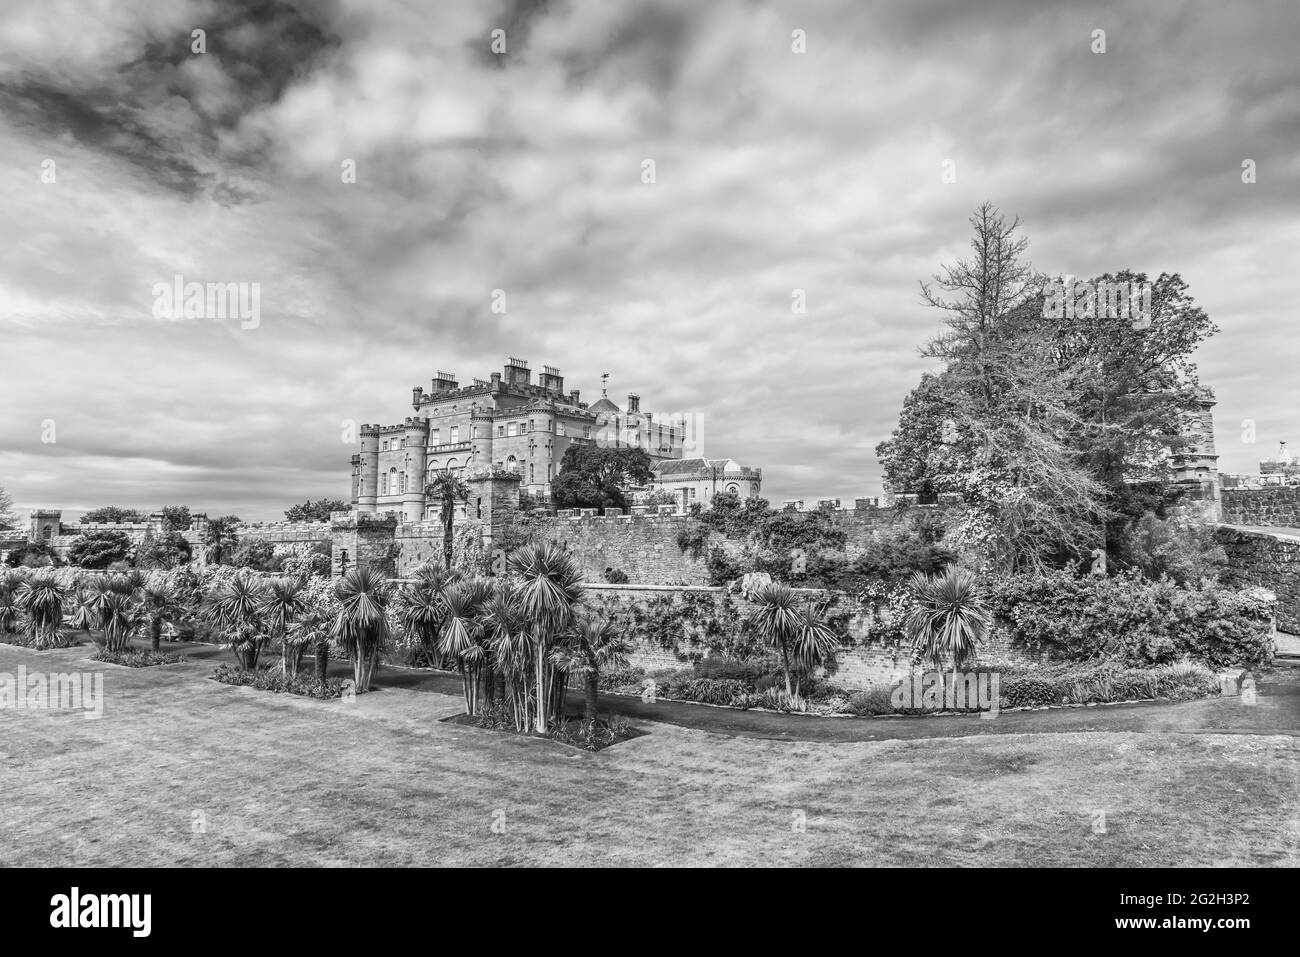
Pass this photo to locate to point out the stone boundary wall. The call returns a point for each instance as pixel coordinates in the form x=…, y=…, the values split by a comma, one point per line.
x=1269, y=561
x=863, y=663
x=1262, y=506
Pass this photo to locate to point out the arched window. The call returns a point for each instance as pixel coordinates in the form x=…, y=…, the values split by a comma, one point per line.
x=512, y=463
x=392, y=482
x=401, y=483
x=735, y=489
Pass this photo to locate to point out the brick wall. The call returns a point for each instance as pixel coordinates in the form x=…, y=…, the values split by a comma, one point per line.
x=1268, y=561
x=1262, y=506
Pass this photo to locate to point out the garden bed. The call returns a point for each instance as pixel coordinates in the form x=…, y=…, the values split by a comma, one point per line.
x=746, y=686
x=136, y=658
x=265, y=679
x=573, y=732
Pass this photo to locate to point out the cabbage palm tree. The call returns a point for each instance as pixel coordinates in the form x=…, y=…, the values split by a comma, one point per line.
x=505, y=628
x=460, y=634
x=548, y=586
x=40, y=601
x=777, y=621
x=313, y=630
x=814, y=641
x=119, y=617
x=593, y=645
x=236, y=609
x=160, y=604
x=949, y=619
x=422, y=607
x=447, y=489
x=220, y=539
x=361, y=625
x=282, y=603
x=9, y=584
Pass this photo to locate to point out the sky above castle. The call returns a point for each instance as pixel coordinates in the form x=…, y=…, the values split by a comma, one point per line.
x=524, y=172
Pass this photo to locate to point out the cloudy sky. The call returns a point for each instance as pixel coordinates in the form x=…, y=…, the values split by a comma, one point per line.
x=774, y=170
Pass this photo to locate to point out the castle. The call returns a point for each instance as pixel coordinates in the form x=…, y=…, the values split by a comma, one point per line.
x=491, y=430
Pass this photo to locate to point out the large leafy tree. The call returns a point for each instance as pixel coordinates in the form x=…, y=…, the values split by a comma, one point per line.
x=176, y=518
x=169, y=550
x=595, y=477
x=99, y=549
x=310, y=511
x=1029, y=497
x=112, y=515
x=1134, y=390
x=8, y=518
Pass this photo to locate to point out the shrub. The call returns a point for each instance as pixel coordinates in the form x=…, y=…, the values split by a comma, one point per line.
x=99, y=549
x=616, y=576
x=778, y=699
x=1134, y=621
x=875, y=700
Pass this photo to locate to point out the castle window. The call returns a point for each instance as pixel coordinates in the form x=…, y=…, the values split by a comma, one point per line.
x=403, y=445
x=548, y=471
x=530, y=472
x=512, y=429
x=384, y=446
x=392, y=482
x=530, y=425
x=401, y=482
x=512, y=463
x=586, y=431
x=435, y=437
x=501, y=431
x=455, y=434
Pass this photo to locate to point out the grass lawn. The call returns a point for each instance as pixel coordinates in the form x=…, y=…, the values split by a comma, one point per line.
x=282, y=780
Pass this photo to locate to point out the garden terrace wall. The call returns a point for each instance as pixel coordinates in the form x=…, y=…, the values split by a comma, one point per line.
x=1262, y=506
x=1269, y=561
x=641, y=544
x=865, y=661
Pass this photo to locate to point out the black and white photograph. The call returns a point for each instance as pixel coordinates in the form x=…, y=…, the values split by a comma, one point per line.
x=650, y=434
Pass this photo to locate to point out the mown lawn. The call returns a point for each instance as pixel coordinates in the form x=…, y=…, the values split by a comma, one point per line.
x=181, y=770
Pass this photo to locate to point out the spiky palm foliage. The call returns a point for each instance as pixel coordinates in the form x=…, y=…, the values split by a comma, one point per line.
x=236, y=609
x=312, y=630
x=814, y=642
x=548, y=586
x=159, y=603
x=949, y=619
x=40, y=603
x=361, y=625
x=460, y=635
x=282, y=604
x=593, y=645
x=84, y=602
x=505, y=628
x=10, y=581
x=422, y=608
x=777, y=621
x=446, y=489
x=119, y=617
